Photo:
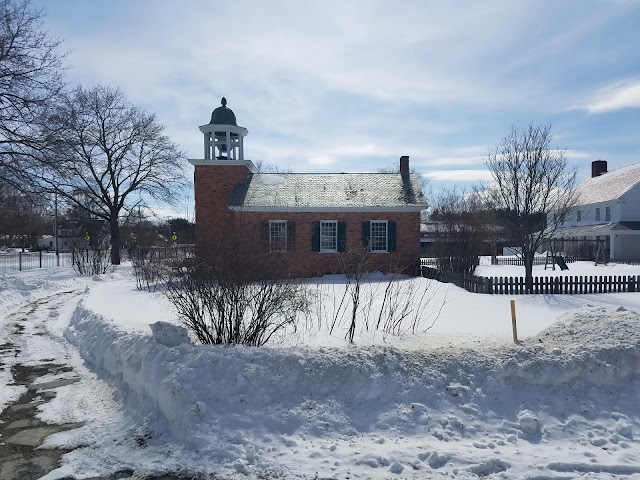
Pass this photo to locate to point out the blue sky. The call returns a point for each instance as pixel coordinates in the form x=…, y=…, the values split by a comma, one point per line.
x=348, y=86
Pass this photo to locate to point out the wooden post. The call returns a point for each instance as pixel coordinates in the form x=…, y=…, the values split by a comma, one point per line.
x=513, y=321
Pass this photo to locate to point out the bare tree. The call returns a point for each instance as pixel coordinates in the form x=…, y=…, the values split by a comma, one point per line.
x=109, y=157
x=22, y=219
x=30, y=77
x=534, y=188
x=264, y=167
x=461, y=226
x=395, y=168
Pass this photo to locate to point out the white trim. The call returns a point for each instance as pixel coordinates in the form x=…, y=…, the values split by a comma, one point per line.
x=335, y=224
x=386, y=234
x=215, y=127
x=286, y=237
x=217, y=163
x=398, y=209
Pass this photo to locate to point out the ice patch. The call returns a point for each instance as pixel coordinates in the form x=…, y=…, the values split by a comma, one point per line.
x=270, y=179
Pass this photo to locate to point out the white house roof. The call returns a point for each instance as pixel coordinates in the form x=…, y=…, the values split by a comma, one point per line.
x=609, y=186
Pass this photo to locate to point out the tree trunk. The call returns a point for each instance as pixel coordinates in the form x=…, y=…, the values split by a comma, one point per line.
x=115, y=240
x=528, y=270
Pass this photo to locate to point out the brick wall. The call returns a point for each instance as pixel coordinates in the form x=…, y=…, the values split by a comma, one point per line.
x=214, y=184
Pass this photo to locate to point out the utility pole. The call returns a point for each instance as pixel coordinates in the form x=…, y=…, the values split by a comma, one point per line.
x=55, y=227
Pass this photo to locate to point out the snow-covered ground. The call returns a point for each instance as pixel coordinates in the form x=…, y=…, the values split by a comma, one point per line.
x=456, y=398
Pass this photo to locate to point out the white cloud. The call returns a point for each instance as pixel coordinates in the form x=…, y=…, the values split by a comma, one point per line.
x=453, y=161
x=574, y=154
x=321, y=91
x=615, y=97
x=322, y=160
x=459, y=175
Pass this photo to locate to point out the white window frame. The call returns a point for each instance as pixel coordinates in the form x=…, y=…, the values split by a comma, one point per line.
x=597, y=214
x=607, y=214
x=328, y=238
x=373, y=236
x=277, y=241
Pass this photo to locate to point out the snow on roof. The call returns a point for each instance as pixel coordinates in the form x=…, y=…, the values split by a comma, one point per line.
x=610, y=185
x=310, y=191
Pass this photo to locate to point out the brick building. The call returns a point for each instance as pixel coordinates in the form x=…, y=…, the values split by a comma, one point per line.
x=311, y=220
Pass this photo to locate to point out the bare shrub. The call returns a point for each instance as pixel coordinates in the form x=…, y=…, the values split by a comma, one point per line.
x=92, y=261
x=355, y=264
x=222, y=312
x=392, y=304
x=236, y=293
x=152, y=266
x=405, y=305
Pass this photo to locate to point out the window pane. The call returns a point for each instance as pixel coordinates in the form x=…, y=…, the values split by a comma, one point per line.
x=378, y=236
x=278, y=235
x=328, y=236
x=607, y=214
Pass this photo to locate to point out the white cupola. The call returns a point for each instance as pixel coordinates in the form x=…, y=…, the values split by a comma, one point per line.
x=223, y=138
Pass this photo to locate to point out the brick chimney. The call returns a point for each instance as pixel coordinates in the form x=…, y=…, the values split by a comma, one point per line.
x=404, y=165
x=598, y=168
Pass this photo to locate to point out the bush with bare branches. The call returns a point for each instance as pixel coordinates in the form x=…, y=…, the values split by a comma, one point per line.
x=92, y=261
x=392, y=304
x=240, y=296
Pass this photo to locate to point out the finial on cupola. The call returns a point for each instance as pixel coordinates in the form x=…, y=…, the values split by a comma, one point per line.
x=223, y=102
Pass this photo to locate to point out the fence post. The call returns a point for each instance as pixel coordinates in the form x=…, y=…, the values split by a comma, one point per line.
x=40, y=251
x=19, y=261
x=514, y=327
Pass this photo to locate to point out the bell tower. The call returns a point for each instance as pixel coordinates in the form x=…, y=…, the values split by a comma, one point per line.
x=223, y=138
x=216, y=175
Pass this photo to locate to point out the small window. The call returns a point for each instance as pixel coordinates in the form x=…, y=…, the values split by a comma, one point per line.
x=278, y=235
x=598, y=214
x=329, y=236
x=607, y=214
x=579, y=215
x=378, y=241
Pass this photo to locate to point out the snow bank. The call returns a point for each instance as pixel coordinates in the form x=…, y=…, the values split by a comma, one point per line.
x=295, y=410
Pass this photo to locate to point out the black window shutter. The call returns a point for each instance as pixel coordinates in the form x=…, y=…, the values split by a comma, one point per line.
x=342, y=236
x=366, y=233
x=315, y=236
x=291, y=235
x=391, y=236
x=264, y=233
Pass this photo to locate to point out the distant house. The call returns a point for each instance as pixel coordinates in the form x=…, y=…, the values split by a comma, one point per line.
x=79, y=234
x=308, y=219
x=47, y=242
x=608, y=210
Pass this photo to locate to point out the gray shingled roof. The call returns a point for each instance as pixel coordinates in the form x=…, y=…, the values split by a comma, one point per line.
x=327, y=191
x=609, y=186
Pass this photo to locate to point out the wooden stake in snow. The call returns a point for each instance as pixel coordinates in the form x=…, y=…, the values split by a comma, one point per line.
x=513, y=321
